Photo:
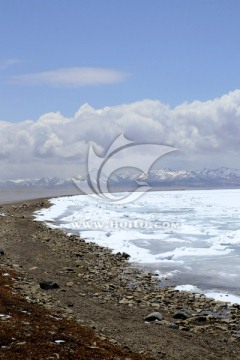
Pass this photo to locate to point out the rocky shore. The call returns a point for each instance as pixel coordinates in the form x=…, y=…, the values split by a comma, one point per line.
x=123, y=304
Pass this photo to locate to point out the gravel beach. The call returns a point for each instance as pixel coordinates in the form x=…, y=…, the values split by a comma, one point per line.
x=88, y=285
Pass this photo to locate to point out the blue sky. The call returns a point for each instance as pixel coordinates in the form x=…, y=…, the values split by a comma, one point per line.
x=174, y=51
x=162, y=71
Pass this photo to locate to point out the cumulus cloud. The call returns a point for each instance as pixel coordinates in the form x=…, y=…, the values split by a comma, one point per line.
x=206, y=134
x=71, y=77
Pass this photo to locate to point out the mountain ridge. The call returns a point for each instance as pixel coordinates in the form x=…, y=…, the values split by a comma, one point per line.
x=218, y=177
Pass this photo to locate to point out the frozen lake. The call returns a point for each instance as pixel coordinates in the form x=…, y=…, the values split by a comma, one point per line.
x=192, y=237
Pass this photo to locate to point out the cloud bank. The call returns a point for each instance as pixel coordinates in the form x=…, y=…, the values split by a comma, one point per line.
x=206, y=133
x=71, y=77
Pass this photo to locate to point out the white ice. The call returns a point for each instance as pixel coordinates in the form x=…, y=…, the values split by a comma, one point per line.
x=196, y=233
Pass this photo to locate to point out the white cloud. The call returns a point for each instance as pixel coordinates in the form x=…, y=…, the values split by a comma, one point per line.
x=71, y=77
x=206, y=133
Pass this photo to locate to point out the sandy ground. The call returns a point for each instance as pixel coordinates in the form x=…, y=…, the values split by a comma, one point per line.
x=105, y=293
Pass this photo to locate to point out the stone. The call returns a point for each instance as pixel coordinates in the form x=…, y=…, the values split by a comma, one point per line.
x=125, y=256
x=2, y=252
x=184, y=328
x=200, y=318
x=235, y=305
x=182, y=314
x=164, y=322
x=48, y=285
x=156, y=305
x=78, y=254
x=123, y=301
x=173, y=326
x=154, y=316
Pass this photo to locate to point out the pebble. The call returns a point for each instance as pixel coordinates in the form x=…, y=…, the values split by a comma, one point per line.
x=173, y=326
x=48, y=285
x=154, y=316
x=182, y=314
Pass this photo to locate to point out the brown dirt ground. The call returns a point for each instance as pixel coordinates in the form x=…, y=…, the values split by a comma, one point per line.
x=31, y=332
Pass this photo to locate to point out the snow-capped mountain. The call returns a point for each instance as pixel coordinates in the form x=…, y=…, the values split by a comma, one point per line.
x=220, y=177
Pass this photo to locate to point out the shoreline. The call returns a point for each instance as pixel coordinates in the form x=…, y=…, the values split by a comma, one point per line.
x=106, y=292
x=170, y=275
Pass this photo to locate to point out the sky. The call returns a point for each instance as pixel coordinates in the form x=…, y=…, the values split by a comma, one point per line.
x=82, y=71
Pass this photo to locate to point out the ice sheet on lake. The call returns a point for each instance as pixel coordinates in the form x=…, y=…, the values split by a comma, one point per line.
x=194, y=234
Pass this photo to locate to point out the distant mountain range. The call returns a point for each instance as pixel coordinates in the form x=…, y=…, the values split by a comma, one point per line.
x=164, y=178
x=44, y=182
